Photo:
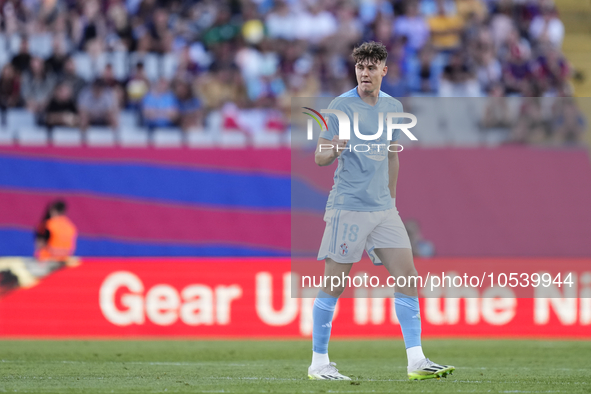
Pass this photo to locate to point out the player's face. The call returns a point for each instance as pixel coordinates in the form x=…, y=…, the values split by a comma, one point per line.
x=369, y=75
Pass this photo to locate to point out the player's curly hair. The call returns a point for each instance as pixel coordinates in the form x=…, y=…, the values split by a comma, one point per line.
x=374, y=52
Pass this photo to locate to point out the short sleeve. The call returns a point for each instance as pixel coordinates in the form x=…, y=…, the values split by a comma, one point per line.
x=332, y=122
x=333, y=127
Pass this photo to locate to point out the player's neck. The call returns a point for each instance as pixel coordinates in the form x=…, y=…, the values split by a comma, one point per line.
x=370, y=98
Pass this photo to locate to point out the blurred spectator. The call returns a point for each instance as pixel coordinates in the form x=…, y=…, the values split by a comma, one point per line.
x=466, y=8
x=259, y=71
x=10, y=90
x=569, y=123
x=137, y=87
x=220, y=86
x=550, y=69
x=55, y=63
x=90, y=28
x=413, y=26
x=70, y=77
x=383, y=31
x=22, y=60
x=425, y=75
x=446, y=28
x=253, y=29
x=48, y=12
x=393, y=83
x=281, y=23
x=502, y=23
x=257, y=61
x=224, y=29
x=274, y=120
x=160, y=108
x=119, y=19
x=97, y=105
x=489, y=70
x=159, y=32
x=496, y=111
x=315, y=24
x=37, y=86
x=369, y=11
x=191, y=59
x=144, y=41
x=108, y=78
x=189, y=107
x=349, y=30
x=251, y=56
x=429, y=8
x=457, y=79
x=547, y=27
x=530, y=126
x=61, y=109
x=12, y=16
x=517, y=71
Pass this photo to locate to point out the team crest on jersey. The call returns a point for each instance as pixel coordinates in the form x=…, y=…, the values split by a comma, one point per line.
x=344, y=249
x=378, y=149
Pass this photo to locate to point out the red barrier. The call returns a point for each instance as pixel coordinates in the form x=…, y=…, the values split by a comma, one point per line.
x=251, y=298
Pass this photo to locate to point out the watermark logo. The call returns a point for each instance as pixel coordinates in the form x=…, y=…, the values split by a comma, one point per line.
x=345, y=124
x=317, y=121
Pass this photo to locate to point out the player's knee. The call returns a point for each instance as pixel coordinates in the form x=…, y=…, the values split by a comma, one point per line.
x=410, y=279
x=334, y=291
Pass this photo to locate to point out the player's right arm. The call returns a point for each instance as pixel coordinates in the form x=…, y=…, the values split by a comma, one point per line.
x=327, y=152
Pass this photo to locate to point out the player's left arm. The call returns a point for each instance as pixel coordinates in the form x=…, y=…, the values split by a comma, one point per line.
x=393, y=167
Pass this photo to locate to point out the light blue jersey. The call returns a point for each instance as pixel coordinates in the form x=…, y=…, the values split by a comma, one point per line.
x=361, y=178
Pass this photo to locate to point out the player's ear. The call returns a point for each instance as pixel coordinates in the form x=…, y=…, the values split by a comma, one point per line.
x=385, y=71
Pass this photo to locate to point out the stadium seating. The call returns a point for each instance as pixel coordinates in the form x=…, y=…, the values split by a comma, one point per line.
x=200, y=139
x=266, y=139
x=17, y=118
x=100, y=137
x=32, y=136
x=128, y=119
x=233, y=139
x=151, y=64
x=66, y=136
x=41, y=45
x=6, y=136
x=167, y=138
x=133, y=137
x=84, y=65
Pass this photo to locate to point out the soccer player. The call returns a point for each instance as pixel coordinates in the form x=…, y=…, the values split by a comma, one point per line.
x=361, y=215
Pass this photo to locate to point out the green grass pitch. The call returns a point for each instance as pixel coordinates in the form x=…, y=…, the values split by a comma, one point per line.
x=512, y=366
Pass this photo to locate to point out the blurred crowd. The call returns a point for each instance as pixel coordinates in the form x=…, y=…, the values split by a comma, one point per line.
x=235, y=64
x=538, y=120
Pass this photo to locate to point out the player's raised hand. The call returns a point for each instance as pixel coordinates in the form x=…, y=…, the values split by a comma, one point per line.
x=341, y=144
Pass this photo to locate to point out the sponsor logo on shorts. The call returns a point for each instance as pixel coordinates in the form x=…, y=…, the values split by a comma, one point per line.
x=344, y=249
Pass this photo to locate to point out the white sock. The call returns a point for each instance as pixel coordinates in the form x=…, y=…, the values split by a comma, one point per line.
x=319, y=360
x=415, y=355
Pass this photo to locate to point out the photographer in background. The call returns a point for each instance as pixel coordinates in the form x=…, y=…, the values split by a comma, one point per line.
x=55, y=239
x=55, y=243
